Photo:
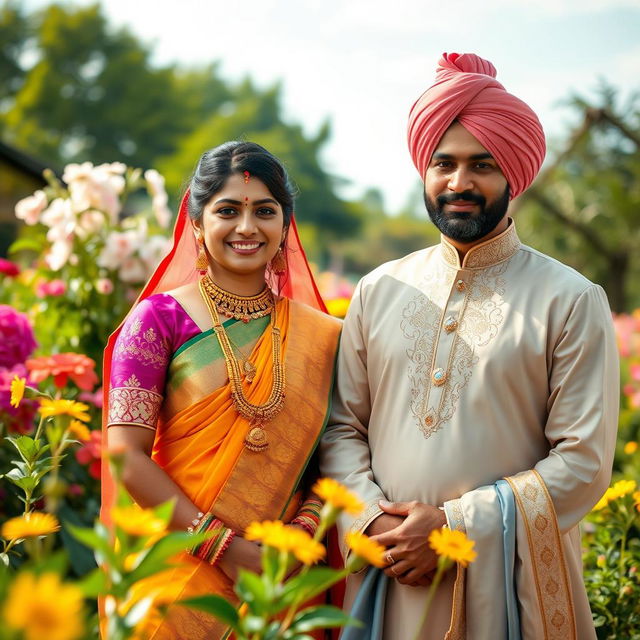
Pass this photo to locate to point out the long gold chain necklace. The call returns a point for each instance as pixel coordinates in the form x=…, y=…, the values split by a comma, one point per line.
x=257, y=414
x=243, y=308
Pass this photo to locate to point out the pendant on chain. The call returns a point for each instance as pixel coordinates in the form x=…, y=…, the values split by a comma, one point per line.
x=256, y=439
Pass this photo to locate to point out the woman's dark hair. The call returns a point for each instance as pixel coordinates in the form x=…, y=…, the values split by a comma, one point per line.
x=216, y=165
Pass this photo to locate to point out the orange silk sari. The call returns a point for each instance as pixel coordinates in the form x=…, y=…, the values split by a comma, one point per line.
x=199, y=443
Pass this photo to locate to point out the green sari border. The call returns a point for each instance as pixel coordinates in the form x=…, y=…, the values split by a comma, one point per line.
x=200, y=336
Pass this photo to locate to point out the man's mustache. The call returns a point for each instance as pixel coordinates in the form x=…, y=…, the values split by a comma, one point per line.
x=458, y=197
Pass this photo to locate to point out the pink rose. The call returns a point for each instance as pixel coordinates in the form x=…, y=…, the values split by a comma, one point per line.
x=104, y=286
x=9, y=268
x=94, y=398
x=30, y=208
x=17, y=341
x=54, y=288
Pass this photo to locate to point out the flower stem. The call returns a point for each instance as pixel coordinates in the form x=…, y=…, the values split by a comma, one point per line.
x=442, y=567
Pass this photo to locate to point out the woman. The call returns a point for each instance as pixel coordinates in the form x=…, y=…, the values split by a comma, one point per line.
x=219, y=387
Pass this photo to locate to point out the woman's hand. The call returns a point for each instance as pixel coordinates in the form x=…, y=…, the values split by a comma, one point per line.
x=241, y=554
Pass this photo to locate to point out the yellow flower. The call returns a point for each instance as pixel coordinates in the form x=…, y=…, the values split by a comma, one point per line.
x=636, y=499
x=603, y=502
x=138, y=522
x=338, y=307
x=339, y=497
x=622, y=488
x=30, y=525
x=44, y=607
x=365, y=548
x=17, y=390
x=452, y=544
x=79, y=430
x=631, y=447
x=288, y=539
x=61, y=407
x=267, y=532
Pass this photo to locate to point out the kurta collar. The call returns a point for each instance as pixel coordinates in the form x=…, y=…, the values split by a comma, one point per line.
x=485, y=254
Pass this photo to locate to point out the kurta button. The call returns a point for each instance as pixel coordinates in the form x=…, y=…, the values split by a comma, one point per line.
x=460, y=285
x=428, y=421
x=450, y=324
x=439, y=376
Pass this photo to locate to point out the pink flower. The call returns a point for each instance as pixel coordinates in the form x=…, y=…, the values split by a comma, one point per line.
x=59, y=254
x=94, y=398
x=159, y=199
x=635, y=372
x=20, y=419
x=90, y=454
x=30, y=208
x=75, y=489
x=153, y=250
x=118, y=247
x=54, y=288
x=96, y=187
x=9, y=268
x=132, y=270
x=17, y=341
x=104, y=286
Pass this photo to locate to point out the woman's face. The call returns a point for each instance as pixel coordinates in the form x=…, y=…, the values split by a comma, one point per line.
x=243, y=227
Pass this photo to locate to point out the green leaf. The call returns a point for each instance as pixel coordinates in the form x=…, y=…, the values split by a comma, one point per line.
x=251, y=589
x=26, y=483
x=25, y=445
x=322, y=617
x=217, y=606
x=155, y=559
x=27, y=244
x=93, y=584
x=305, y=586
x=90, y=538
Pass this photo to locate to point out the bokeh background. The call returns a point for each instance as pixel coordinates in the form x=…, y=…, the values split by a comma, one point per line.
x=106, y=107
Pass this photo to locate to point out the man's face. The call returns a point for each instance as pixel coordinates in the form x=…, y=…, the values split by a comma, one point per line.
x=465, y=192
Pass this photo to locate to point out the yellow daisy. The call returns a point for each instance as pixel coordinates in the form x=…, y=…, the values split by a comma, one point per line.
x=631, y=447
x=622, y=488
x=17, y=390
x=268, y=532
x=44, y=607
x=636, y=499
x=62, y=407
x=288, y=539
x=365, y=548
x=79, y=431
x=453, y=545
x=137, y=521
x=306, y=549
x=30, y=525
x=338, y=496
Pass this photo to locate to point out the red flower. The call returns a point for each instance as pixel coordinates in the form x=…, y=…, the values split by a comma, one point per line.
x=9, y=268
x=62, y=366
x=90, y=454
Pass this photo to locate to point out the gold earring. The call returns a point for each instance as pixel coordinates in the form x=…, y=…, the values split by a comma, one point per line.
x=279, y=263
x=202, y=264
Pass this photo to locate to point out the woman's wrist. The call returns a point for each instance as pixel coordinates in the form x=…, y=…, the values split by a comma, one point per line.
x=214, y=547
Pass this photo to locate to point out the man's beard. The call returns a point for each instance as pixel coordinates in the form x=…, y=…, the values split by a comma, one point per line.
x=465, y=226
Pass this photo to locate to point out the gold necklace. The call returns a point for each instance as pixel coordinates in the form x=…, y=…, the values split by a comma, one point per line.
x=257, y=414
x=243, y=308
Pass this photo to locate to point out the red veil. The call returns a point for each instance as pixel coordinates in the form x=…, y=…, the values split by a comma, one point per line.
x=178, y=268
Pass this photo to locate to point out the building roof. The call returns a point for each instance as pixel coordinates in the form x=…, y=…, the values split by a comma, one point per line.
x=21, y=160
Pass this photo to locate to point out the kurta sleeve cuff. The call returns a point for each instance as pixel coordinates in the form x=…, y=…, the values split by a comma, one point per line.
x=371, y=511
x=455, y=518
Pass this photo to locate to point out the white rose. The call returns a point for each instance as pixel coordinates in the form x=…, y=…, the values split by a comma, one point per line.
x=132, y=270
x=30, y=208
x=153, y=250
x=59, y=254
x=118, y=247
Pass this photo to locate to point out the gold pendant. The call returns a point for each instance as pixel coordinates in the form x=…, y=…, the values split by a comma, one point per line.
x=249, y=371
x=256, y=439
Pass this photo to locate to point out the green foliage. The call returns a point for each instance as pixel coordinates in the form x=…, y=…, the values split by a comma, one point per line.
x=585, y=208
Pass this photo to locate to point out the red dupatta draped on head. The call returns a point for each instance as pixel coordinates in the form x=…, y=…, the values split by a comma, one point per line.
x=177, y=269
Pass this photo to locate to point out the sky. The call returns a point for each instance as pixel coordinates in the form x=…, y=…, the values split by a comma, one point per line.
x=362, y=63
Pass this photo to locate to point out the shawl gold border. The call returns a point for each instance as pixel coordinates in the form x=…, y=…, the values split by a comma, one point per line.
x=547, y=558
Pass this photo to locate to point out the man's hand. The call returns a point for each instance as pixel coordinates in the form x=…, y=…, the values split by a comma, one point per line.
x=413, y=559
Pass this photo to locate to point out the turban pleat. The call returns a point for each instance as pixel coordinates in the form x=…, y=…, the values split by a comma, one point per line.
x=466, y=90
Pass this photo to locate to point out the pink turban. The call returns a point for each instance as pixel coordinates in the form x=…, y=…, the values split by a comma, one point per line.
x=466, y=90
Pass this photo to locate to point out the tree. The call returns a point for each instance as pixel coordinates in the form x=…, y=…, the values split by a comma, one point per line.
x=584, y=207
x=256, y=115
x=92, y=92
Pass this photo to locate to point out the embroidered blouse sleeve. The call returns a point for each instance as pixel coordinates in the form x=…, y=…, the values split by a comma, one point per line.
x=141, y=356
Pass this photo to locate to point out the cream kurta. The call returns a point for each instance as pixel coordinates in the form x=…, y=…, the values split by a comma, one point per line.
x=453, y=376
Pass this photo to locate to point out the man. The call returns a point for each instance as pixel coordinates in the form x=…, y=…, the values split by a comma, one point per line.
x=468, y=362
